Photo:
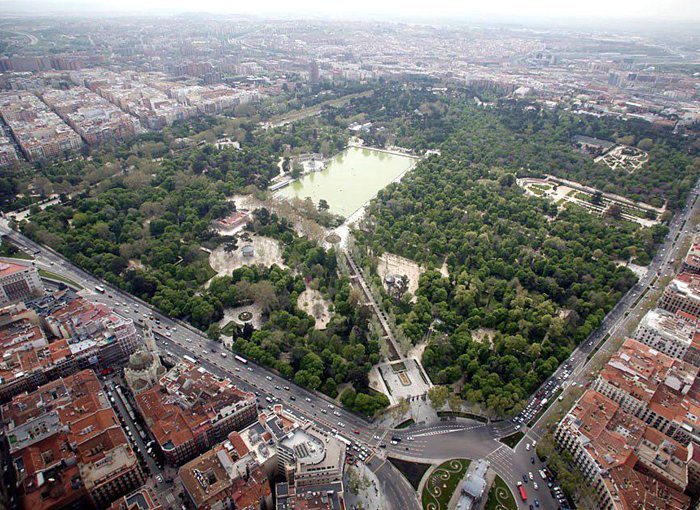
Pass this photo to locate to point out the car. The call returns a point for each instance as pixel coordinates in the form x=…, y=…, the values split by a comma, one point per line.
x=519, y=484
x=527, y=447
x=331, y=406
x=159, y=478
x=532, y=460
x=525, y=478
x=268, y=378
x=537, y=503
x=237, y=369
x=394, y=442
x=534, y=443
x=205, y=352
x=530, y=475
x=308, y=399
x=356, y=432
x=535, y=486
x=277, y=388
x=292, y=397
x=324, y=411
x=223, y=354
x=189, y=340
x=286, y=388
x=250, y=369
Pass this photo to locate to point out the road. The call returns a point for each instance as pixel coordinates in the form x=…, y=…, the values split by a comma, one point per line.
x=430, y=442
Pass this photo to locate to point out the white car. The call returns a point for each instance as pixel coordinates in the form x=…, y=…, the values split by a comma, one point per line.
x=535, y=486
x=530, y=475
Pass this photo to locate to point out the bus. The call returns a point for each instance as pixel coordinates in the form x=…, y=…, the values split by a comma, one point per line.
x=523, y=494
x=343, y=440
x=100, y=289
x=242, y=360
x=189, y=358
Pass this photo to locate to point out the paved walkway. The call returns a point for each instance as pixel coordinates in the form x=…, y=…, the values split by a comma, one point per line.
x=356, y=274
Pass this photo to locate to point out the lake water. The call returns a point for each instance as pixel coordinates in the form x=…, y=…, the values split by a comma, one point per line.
x=351, y=178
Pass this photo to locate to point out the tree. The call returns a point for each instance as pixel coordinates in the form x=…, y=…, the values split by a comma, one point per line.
x=323, y=205
x=214, y=332
x=507, y=180
x=231, y=245
x=297, y=169
x=597, y=198
x=645, y=144
x=438, y=396
x=614, y=211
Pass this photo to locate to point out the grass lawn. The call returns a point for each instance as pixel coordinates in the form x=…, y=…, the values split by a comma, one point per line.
x=500, y=497
x=512, y=440
x=405, y=424
x=442, y=483
x=457, y=414
x=229, y=329
x=398, y=367
x=59, y=278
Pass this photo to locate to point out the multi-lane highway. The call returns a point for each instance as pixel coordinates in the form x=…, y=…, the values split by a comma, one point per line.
x=429, y=442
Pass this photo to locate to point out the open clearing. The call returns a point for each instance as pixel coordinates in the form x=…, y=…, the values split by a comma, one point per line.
x=394, y=265
x=266, y=251
x=312, y=302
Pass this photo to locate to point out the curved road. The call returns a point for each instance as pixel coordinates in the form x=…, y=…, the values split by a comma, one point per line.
x=432, y=442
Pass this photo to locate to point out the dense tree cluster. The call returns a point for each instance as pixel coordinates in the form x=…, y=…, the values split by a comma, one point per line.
x=541, y=277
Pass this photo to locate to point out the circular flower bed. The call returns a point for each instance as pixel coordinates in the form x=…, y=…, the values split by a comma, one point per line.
x=245, y=316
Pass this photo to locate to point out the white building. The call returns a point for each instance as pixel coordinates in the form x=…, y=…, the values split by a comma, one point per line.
x=18, y=282
x=666, y=332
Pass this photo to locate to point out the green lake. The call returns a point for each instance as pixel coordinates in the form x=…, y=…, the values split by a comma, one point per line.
x=350, y=179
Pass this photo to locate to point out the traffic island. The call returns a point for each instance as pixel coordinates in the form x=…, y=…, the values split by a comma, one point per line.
x=500, y=496
x=442, y=482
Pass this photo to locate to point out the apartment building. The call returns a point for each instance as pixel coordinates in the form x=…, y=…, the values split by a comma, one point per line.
x=306, y=456
x=671, y=334
x=190, y=410
x=18, y=282
x=93, y=117
x=56, y=335
x=141, y=499
x=39, y=132
x=614, y=449
x=691, y=262
x=67, y=446
x=227, y=477
x=682, y=294
x=8, y=154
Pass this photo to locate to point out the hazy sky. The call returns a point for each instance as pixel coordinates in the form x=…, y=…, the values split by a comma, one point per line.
x=655, y=10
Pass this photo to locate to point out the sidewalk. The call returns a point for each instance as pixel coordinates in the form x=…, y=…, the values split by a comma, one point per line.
x=367, y=494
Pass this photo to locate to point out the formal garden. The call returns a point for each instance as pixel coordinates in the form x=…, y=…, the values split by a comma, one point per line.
x=442, y=483
x=500, y=497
